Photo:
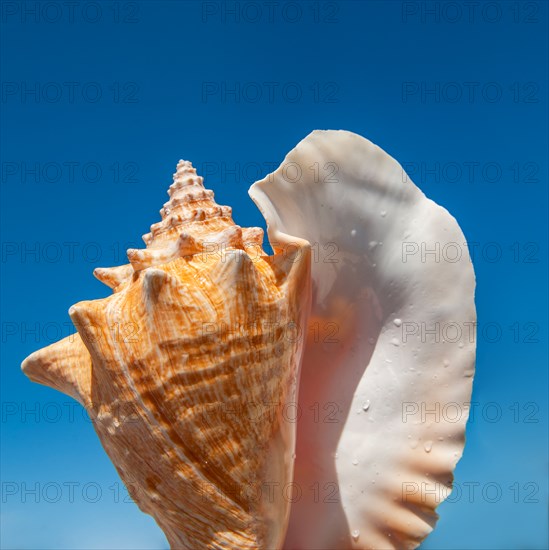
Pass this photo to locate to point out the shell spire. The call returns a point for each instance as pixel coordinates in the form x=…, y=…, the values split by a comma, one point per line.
x=191, y=222
x=191, y=208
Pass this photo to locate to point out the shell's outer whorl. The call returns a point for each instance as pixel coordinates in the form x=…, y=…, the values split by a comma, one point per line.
x=186, y=370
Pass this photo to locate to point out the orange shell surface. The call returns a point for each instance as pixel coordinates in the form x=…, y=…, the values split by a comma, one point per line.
x=187, y=369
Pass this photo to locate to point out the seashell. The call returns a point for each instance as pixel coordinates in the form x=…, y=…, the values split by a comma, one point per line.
x=191, y=366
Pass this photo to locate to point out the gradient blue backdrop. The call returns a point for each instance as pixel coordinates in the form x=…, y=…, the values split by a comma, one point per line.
x=165, y=71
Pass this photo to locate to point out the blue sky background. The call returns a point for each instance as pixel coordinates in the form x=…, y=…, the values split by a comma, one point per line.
x=164, y=71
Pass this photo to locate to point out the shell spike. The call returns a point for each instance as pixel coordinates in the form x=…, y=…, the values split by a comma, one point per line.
x=113, y=276
x=153, y=281
x=65, y=366
x=142, y=258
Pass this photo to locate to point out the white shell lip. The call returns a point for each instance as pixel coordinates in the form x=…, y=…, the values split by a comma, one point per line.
x=398, y=373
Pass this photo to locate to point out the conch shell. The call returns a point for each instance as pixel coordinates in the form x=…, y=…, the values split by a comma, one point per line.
x=191, y=367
